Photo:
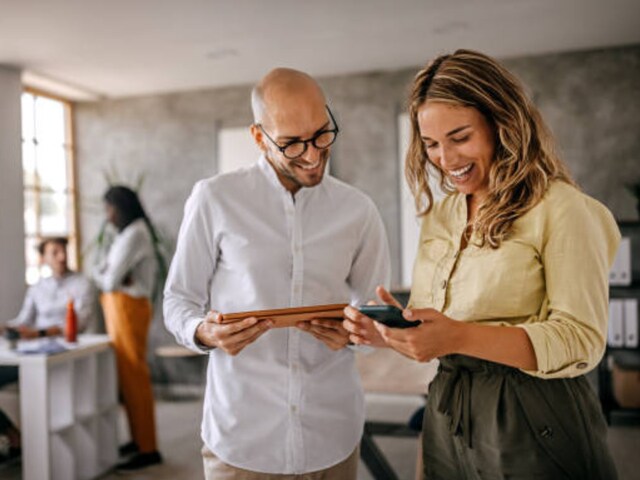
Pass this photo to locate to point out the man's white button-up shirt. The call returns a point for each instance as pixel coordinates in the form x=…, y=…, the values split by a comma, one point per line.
x=286, y=403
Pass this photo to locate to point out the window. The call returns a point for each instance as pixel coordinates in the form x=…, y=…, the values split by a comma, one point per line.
x=47, y=164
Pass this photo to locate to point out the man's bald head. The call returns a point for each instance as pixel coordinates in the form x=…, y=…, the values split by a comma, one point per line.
x=282, y=85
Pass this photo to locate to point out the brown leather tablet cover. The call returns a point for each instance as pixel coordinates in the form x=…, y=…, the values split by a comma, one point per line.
x=288, y=317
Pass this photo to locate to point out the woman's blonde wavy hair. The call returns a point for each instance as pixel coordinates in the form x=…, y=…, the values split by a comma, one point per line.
x=525, y=161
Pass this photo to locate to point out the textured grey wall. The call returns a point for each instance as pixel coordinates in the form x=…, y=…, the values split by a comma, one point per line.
x=591, y=101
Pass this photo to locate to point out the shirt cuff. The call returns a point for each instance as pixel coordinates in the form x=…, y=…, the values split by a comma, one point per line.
x=190, y=336
x=548, y=366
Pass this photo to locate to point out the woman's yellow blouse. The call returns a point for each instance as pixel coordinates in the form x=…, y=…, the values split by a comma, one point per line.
x=550, y=278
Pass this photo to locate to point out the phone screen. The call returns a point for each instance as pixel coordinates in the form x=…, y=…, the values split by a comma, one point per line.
x=388, y=315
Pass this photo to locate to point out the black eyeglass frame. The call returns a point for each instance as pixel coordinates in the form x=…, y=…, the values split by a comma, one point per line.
x=311, y=140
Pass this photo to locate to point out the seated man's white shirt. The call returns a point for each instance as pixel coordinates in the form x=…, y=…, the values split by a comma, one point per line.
x=286, y=403
x=45, y=303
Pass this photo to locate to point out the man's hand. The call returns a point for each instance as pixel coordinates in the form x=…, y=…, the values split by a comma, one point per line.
x=230, y=337
x=362, y=328
x=330, y=332
x=27, y=333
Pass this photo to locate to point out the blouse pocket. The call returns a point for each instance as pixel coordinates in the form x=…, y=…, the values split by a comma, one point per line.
x=497, y=283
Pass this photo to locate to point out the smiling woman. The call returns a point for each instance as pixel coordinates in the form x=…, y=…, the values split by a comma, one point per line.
x=514, y=312
x=49, y=191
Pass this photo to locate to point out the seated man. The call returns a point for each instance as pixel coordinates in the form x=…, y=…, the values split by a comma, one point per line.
x=44, y=309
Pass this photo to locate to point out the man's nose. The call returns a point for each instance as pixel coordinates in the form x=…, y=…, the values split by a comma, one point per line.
x=312, y=155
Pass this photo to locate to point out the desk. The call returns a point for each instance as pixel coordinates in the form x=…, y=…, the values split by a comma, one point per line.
x=68, y=410
x=386, y=371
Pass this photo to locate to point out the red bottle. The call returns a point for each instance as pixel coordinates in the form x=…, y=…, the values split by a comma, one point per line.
x=71, y=326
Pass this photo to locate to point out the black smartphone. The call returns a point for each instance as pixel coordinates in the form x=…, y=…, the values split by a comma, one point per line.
x=388, y=315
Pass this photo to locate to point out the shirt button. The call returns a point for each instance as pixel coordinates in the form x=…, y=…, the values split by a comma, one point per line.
x=443, y=284
x=582, y=365
x=294, y=409
x=546, y=432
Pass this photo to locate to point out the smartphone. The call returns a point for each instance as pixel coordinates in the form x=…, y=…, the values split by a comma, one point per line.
x=388, y=315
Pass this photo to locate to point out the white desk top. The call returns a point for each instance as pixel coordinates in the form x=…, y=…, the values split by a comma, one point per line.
x=86, y=343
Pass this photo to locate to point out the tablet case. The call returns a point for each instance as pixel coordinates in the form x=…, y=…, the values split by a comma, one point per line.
x=288, y=317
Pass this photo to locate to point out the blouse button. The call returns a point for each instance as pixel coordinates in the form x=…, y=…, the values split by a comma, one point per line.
x=546, y=432
x=582, y=365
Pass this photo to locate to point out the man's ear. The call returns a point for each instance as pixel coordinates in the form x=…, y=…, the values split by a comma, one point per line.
x=258, y=137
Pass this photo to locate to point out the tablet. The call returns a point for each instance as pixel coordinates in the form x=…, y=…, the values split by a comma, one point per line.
x=288, y=317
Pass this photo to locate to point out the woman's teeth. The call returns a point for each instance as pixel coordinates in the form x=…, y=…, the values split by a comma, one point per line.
x=459, y=173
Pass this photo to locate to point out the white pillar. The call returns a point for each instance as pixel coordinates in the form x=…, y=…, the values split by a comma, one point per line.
x=12, y=262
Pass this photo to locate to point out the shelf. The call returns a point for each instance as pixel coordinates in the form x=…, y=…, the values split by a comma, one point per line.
x=107, y=435
x=623, y=224
x=86, y=449
x=625, y=291
x=85, y=378
x=60, y=396
x=106, y=380
x=62, y=457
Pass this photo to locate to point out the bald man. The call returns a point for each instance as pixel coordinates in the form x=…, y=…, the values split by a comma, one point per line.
x=280, y=402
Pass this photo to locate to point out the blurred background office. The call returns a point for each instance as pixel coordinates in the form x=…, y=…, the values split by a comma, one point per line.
x=155, y=95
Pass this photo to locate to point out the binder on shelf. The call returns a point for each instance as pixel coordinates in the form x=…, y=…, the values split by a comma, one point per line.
x=620, y=273
x=615, y=337
x=631, y=323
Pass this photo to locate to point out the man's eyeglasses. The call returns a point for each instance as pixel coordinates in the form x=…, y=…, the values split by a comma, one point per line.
x=295, y=149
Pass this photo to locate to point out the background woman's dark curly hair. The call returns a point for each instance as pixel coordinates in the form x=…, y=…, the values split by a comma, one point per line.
x=127, y=205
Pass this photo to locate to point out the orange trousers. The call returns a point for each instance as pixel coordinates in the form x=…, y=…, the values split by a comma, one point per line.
x=128, y=320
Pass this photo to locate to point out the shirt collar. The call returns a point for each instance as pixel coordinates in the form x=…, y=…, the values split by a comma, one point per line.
x=273, y=179
x=269, y=172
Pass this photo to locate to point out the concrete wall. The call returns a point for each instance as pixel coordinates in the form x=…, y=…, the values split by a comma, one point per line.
x=590, y=99
x=11, y=197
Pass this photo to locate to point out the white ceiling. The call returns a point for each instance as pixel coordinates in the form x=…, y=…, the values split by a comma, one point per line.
x=120, y=48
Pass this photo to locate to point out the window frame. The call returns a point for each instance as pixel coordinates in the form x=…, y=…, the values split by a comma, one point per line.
x=71, y=190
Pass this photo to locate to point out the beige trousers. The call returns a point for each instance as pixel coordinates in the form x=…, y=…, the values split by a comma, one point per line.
x=216, y=469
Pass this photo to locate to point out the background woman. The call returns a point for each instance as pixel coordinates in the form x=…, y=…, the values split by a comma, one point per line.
x=127, y=280
x=510, y=283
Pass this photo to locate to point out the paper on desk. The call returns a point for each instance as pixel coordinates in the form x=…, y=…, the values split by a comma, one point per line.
x=46, y=346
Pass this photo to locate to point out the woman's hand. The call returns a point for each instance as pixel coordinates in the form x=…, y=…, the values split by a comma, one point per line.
x=437, y=336
x=361, y=328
